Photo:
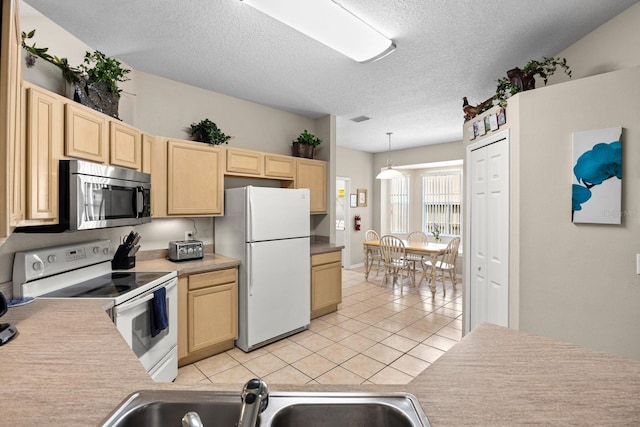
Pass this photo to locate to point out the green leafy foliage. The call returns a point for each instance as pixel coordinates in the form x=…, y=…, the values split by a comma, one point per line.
x=96, y=66
x=207, y=131
x=308, y=138
x=544, y=69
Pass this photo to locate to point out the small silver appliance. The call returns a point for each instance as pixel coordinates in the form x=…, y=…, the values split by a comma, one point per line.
x=181, y=250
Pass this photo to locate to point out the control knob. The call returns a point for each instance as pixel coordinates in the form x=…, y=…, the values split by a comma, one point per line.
x=38, y=265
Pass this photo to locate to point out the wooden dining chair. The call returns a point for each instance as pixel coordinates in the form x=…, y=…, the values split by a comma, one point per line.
x=372, y=255
x=394, y=257
x=445, y=263
x=415, y=260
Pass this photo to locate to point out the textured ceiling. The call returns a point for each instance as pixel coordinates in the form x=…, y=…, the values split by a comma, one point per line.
x=446, y=50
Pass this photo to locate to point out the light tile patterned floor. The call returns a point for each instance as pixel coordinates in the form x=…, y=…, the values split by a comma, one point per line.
x=377, y=336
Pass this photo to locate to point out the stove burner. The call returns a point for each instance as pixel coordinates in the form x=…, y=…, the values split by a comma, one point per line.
x=115, y=276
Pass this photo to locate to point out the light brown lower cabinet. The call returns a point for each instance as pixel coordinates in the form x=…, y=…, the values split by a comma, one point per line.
x=207, y=314
x=326, y=283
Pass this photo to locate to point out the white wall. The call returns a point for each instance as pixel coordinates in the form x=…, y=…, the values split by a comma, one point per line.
x=578, y=283
x=357, y=165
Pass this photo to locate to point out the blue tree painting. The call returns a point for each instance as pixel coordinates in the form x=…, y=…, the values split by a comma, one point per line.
x=597, y=176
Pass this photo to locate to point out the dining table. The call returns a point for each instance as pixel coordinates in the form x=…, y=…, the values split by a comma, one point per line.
x=431, y=249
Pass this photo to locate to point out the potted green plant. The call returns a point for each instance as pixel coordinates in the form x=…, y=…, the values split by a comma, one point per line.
x=208, y=132
x=95, y=81
x=305, y=145
x=518, y=80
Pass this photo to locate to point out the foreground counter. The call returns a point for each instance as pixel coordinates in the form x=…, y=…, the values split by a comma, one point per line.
x=70, y=366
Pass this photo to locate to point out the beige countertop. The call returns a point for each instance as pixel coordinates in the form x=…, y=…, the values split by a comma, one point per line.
x=157, y=260
x=70, y=366
x=209, y=262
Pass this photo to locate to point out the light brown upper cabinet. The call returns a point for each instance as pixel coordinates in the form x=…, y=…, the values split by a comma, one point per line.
x=312, y=174
x=154, y=162
x=195, y=184
x=244, y=162
x=249, y=163
x=86, y=133
x=12, y=201
x=125, y=146
x=44, y=148
x=279, y=167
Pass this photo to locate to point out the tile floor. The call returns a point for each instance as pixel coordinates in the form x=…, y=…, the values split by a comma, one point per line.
x=377, y=336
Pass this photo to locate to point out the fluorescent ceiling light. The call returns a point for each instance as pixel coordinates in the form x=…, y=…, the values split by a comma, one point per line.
x=330, y=24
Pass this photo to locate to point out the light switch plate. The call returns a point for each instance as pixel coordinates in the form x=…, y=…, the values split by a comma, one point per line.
x=637, y=263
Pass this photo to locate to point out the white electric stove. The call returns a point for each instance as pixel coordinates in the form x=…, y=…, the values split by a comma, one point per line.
x=83, y=270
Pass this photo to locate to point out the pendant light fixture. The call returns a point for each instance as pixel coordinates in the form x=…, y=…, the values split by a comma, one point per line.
x=389, y=172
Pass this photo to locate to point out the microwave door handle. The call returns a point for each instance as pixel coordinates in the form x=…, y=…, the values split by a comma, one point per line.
x=139, y=201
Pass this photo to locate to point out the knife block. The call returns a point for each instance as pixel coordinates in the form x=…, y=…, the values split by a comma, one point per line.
x=121, y=260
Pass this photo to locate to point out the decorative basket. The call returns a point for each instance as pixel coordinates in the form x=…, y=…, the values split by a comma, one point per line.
x=303, y=150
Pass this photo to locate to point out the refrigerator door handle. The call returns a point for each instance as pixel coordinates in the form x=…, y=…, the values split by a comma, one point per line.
x=248, y=267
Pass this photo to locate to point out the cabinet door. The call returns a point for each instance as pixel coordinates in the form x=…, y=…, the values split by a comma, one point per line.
x=244, y=162
x=279, y=166
x=86, y=134
x=154, y=162
x=11, y=149
x=326, y=285
x=213, y=314
x=195, y=180
x=125, y=146
x=44, y=142
x=312, y=174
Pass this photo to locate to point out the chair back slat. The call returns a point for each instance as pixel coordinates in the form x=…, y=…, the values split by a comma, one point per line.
x=392, y=249
x=371, y=235
x=451, y=253
x=418, y=237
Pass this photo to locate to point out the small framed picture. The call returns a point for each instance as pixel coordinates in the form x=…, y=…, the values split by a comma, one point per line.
x=476, y=131
x=362, y=198
x=493, y=122
x=481, y=129
x=472, y=134
x=353, y=200
x=502, y=117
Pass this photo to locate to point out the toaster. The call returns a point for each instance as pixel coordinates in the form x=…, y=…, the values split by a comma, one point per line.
x=181, y=250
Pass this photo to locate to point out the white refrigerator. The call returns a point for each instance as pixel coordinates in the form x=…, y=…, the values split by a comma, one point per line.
x=268, y=229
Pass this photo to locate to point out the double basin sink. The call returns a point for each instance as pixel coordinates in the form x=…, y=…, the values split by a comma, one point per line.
x=285, y=409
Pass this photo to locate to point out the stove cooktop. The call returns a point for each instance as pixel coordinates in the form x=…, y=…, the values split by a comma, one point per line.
x=109, y=285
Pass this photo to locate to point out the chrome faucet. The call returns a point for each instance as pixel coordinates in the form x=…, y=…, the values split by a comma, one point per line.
x=255, y=398
x=191, y=419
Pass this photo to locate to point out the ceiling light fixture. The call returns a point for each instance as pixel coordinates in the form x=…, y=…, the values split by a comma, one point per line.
x=389, y=172
x=330, y=24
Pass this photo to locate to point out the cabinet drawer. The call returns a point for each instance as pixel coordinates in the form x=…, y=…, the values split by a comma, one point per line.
x=278, y=166
x=326, y=258
x=244, y=162
x=212, y=278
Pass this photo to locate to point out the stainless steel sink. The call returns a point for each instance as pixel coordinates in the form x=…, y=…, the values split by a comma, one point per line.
x=166, y=408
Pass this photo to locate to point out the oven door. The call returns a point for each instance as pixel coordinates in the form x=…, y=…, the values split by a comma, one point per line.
x=133, y=320
x=100, y=202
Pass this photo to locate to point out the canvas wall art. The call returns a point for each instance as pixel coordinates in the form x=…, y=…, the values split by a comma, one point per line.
x=597, y=176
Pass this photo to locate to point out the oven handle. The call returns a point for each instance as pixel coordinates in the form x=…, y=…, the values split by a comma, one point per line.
x=141, y=300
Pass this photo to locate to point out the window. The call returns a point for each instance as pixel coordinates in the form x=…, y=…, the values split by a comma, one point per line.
x=442, y=199
x=399, y=196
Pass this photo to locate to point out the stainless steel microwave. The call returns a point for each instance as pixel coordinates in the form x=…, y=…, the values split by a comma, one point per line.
x=95, y=196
